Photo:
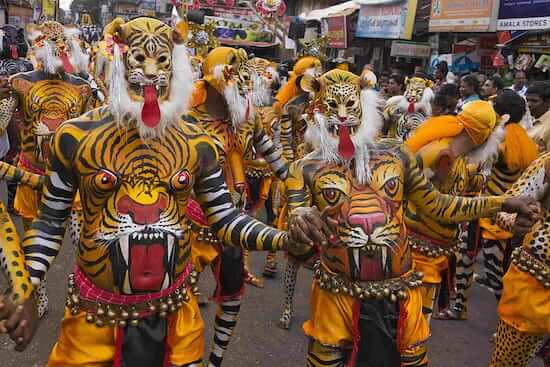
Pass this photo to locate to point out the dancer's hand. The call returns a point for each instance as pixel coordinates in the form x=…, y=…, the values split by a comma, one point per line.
x=528, y=213
x=306, y=226
x=19, y=321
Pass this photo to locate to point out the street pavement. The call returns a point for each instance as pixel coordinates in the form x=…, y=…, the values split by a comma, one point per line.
x=258, y=341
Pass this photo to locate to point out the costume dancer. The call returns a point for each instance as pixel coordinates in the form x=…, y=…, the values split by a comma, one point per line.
x=222, y=106
x=524, y=315
x=515, y=153
x=366, y=305
x=135, y=163
x=403, y=114
x=450, y=148
x=47, y=96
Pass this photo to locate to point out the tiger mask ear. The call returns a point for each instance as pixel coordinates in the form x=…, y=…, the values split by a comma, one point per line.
x=310, y=84
x=180, y=32
x=115, y=29
x=429, y=83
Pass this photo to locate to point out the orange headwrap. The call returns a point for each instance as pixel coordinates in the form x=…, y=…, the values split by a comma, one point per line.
x=518, y=149
x=477, y=118
x=291, y=88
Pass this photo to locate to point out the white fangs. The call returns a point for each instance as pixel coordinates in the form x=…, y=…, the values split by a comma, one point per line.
x=170, y=245
x=125, y=248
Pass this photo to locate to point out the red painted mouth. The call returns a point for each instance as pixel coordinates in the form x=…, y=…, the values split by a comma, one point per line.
x=147, y=263
x=346, y=149
x=150, y=113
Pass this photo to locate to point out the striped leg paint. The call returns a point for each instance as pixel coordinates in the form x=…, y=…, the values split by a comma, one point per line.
x=224, y=325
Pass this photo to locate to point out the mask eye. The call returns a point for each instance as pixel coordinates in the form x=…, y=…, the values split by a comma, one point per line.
x=332, y=104
x=105, y=180
x=180, y=181
x=331, y=195
x=139, y=58
x=350, y=104
x=162, y=59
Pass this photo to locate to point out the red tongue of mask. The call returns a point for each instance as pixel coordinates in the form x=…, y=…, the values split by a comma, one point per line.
x=150, y=113
x=66, y=63
x=14, y=53
x=346, y=149
x=411, y=107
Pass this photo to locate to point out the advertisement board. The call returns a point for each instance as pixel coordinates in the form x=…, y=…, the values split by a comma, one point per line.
x=337, y=32
x=523, y=15
x=48, y=8
x=394, y=20
x=410, y=49
x=463, y=16
x=239, y=30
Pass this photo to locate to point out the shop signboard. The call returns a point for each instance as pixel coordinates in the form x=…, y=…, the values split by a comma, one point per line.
x=239, y=30
x=523, y=15
x=386, y=19
x=463, y=15
x=337, y=32
x=410, y=49
x=48, y=8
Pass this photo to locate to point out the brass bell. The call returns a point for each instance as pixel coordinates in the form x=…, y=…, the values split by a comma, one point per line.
x=100, y=311
x=393, y=298
x=173, y=308
x=163, y=307
x=74, y=311
x=110, y=313
x=152, y=308
x=75, y=298
x=163, y=314
x=112, y=322
x=186, y=297
x=99, y=323
x=134, y=322
x=124, y=314
x=122, y=323
x=169, y=301
x=90, y=318
x=135, y=314
x=386, y=292
x=402, y=295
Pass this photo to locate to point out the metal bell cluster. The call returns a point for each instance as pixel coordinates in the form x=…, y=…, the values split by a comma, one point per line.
x=102, y=314
x=427, y=249
x=206, y=235
x=393, y=289
x=534, y=267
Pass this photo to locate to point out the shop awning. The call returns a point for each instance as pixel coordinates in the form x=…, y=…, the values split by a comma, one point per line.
x=347, y=8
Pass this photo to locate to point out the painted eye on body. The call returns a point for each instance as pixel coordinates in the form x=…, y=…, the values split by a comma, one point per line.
x=391, y=186
x=106, y=180
x=332, y=196
x=180, y=181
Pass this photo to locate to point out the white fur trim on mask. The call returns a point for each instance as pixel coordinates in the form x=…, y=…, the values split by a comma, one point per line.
x=488, y=151
x=46, y=56
x=238, y=105
x=124, y=108
x=79, y=60
x=261, y=91
x=425, y=103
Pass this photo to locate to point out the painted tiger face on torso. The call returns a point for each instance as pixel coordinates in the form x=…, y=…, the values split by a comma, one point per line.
x=371, y=233
x=135, y=235
x=46, y=103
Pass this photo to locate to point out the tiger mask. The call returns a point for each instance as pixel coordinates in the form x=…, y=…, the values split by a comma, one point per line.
x=265, y=79
x=228, y=71
x=56, y=48
x=149, y=81
x=347, y=116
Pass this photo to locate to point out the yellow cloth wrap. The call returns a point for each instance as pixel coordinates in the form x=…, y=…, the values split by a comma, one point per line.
x=85, y=345
x=202, y=253
x=518, y=149
x=26, y=202
x=331, y=321
x=525, y=303
x=490, y=231
x=199, y=94
x=433, y=129
x=479, y=120
x=431, y=267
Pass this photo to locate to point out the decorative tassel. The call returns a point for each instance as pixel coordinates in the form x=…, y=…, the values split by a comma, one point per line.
x=119, y=338
x=355, y=333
